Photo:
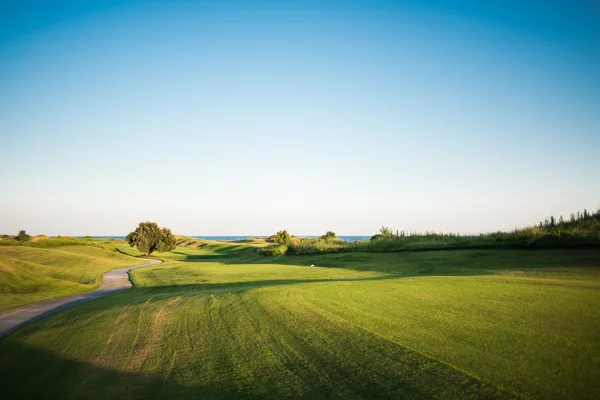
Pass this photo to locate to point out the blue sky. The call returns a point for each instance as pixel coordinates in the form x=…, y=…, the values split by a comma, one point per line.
x=246, y=117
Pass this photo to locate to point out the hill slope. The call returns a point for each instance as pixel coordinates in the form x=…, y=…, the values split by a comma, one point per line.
x=30, y=274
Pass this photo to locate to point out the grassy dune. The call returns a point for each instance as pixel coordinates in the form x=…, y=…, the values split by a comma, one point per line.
x=224, y=322
x=30, y=274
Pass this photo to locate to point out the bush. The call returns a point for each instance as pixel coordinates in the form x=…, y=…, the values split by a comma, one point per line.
x=273, y=250
x=330, y=235
x=384, y=233
x=9, y=242
x=282, y=237
x=313, y=246
x=23, y=237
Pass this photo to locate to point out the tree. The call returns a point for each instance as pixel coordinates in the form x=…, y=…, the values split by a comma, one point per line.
x=384, y=233
x=148, y=238
x=330, y=235
x=23, y=237
x=282, y=237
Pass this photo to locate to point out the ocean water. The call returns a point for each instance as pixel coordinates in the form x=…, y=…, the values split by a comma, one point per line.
x=228, y=238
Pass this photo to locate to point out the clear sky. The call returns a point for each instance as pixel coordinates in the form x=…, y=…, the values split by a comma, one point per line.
x=247, y=117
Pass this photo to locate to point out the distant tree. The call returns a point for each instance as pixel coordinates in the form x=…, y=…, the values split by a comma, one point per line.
x=23, y=237
x=384, y=233
x=148, y=238
x=330, y=235
x=282, y=237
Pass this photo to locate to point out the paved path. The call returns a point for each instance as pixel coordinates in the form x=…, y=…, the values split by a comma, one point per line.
x=114, y=281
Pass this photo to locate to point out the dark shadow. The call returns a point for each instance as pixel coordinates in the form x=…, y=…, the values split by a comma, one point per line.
x=32, y=373
x=138, y=295
x=419, y=263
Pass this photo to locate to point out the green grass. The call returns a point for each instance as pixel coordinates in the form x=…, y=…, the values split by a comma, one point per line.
x=31, y=274
x=223, y=321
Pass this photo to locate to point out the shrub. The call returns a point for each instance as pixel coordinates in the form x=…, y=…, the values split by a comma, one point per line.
x=384, y=233
x=23, y=237
x=282, y=237
x=330, y=235
x=273, y=250
x=313, y=246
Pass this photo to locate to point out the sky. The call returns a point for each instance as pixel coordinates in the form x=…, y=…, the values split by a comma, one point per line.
x=248, y=117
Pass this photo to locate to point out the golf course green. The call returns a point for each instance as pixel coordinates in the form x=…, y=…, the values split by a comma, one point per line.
x=218, y=320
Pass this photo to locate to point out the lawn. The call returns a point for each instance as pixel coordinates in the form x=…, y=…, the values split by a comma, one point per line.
x=29, y=275
x=220, y=321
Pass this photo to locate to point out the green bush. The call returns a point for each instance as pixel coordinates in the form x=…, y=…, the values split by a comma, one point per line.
x=9, y=242
x=301, y=246
x=282, y=237
x=273, y=250
x=330, y=235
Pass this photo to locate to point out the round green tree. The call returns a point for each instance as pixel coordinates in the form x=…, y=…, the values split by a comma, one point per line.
x=282, y=237
x=148, y=238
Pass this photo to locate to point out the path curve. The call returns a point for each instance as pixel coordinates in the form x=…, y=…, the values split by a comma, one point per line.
x=114, y=281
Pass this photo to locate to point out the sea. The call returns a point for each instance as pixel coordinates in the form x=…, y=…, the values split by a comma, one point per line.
x=230, y=238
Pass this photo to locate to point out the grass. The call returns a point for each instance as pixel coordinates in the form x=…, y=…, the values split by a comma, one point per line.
x=219, y=320
x=32, y=274
x=580, y=231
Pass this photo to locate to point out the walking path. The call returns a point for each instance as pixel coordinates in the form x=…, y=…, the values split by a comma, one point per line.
x=114, y=281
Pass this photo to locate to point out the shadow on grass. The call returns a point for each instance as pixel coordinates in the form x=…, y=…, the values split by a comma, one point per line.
x=418, y=263
x=32, y=373
x=138, y=295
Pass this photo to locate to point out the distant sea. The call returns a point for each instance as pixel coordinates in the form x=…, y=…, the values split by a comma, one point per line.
x=228, y=238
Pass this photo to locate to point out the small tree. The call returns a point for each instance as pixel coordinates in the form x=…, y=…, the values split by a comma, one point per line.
x=282, y=237
x=330, y=235
x=148, y=238
x=23, y=236
x=384, y=233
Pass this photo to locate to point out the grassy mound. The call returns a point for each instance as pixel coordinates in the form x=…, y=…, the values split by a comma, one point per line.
x=36, y=273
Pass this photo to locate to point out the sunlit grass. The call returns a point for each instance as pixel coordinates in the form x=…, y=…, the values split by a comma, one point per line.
x=227, y=322
x=30, y=274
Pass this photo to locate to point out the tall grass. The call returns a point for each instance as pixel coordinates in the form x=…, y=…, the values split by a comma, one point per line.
x=581, y=230
x=299, y=246
x=275, y=250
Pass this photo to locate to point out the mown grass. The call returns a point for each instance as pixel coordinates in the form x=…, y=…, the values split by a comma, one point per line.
x=32, y=274
x=227, y=322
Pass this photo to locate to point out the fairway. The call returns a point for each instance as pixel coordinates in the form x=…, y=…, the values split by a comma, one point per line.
x=29, y=275
x=221, y=321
